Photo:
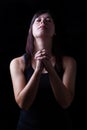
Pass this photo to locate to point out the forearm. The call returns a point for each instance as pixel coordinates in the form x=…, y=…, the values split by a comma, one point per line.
x=28, y=94
x=61, y=92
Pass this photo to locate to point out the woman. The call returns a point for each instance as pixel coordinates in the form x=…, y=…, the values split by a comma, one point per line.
x=43, y=80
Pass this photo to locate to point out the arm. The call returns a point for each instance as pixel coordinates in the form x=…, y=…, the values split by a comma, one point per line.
x=63, y=89
x=25, y=93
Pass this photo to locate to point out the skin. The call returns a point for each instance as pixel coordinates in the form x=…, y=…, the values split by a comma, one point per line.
x=43, y=61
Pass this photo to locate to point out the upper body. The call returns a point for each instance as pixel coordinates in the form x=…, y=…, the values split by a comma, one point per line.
x=42, y=59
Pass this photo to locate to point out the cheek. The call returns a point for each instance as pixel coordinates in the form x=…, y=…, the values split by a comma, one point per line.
x=52, y=31
x=34, y=30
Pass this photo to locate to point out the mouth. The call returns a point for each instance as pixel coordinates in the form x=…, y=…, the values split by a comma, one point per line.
x=43, y=27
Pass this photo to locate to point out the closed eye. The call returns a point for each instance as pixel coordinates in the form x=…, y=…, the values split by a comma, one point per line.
x=38, y=20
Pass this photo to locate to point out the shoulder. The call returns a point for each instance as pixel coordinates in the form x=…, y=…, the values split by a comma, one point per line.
x=17, y=63
x=69, y=62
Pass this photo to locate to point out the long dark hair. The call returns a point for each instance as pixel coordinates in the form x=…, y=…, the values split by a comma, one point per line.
x=30, y=39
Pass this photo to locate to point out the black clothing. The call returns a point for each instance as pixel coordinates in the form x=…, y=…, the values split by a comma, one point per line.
x=45, y=112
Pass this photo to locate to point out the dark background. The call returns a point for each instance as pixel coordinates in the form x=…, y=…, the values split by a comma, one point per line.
x=71, y=23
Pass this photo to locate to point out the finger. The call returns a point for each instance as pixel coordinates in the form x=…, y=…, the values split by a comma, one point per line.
x=45, y=52
x=41, y=57
x=38, y=54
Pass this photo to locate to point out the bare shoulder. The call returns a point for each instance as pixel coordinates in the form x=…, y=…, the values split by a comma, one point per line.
x=69, y=61
x=17, y=63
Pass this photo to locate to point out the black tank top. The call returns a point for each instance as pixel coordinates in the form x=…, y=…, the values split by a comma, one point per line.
x=45, y=112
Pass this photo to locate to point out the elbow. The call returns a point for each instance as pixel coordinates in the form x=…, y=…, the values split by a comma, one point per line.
x=67, y=102
x=65, y=105
x=21, y=104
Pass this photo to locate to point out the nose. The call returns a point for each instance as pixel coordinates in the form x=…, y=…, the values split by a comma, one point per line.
x=43, y=21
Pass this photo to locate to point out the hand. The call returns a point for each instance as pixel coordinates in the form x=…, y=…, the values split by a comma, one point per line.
x=46, y=59
x=38, y=58
x=43, y=60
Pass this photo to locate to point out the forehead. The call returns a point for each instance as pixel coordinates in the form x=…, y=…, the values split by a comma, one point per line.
x=44, y=15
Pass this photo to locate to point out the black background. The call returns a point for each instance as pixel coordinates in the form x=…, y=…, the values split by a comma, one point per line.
x=71, y=23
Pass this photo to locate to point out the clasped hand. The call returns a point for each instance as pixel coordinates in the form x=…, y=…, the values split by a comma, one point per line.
x=42, y=60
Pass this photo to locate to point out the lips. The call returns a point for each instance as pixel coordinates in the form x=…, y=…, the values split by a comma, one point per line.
x=43, y=27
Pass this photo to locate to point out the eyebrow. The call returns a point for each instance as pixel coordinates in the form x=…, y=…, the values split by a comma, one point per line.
x=46, y=17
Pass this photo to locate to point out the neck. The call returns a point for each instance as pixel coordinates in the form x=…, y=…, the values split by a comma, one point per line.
x=43, y=44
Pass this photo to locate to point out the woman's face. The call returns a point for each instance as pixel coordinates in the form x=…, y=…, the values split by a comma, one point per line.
x=43, y=26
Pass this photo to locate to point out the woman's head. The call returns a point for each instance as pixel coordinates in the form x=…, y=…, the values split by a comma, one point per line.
x=42, y=24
